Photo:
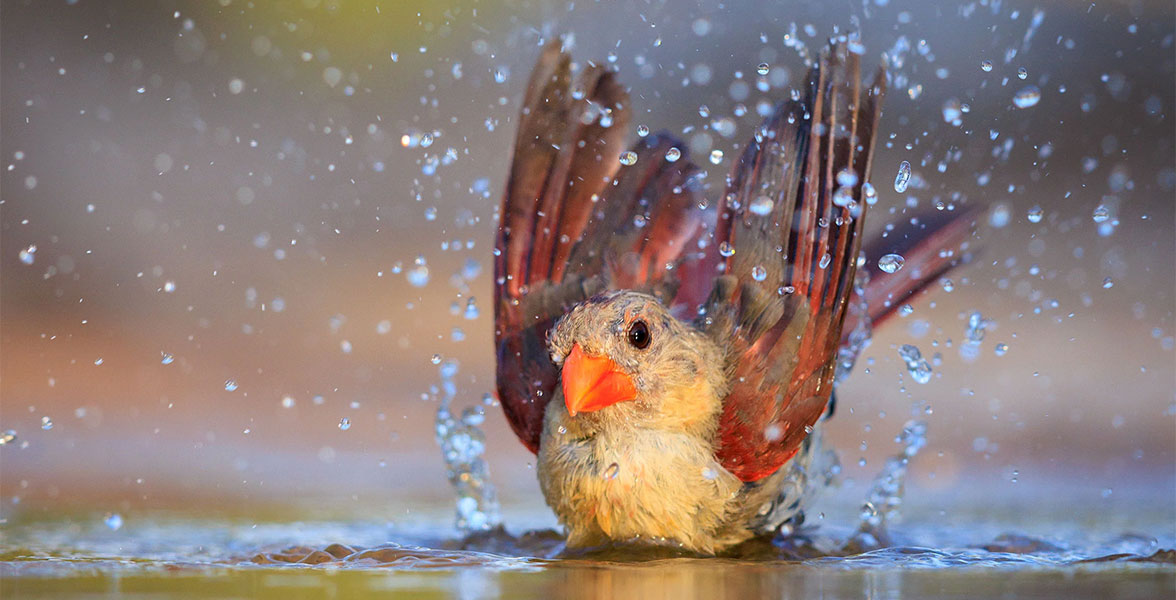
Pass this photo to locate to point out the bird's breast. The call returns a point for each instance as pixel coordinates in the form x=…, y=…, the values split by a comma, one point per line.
x=627, y=483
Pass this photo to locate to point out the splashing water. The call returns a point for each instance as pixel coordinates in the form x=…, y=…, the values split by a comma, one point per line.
x=974, y=335
x=462, y=447
x=918, y=366
x=903, y=177
x=1028, y=97
x=859, y=337
x=891, y=263
x=885, y=496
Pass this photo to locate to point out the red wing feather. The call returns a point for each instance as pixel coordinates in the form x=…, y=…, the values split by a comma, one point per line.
x=572, y=226
x=789, y=231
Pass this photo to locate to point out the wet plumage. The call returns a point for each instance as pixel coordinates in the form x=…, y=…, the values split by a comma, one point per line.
x=669, y=362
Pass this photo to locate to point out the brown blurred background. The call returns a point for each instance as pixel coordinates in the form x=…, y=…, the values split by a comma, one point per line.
x=246, y=188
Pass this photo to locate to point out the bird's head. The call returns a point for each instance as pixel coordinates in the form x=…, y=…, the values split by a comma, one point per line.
x=625, y=358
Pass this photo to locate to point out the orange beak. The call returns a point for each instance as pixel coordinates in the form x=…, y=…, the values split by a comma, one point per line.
x=594, y=382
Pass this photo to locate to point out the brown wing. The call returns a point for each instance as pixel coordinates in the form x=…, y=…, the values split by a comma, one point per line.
x=789, y=235
x=931, y=243
x=570, y=229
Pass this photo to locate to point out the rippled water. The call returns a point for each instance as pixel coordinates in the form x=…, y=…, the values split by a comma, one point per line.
x=987, y=550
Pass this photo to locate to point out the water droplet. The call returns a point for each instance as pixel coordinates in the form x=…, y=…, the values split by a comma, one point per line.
x=759, y=273
x=947, y=284
x=114, y=521
x=230, y=385
x=977, y=325
x=673, y=154
x=169, y=286
x=1108, y=283
x=7, y=437
x=1001, y=349
x=825, y=260
x=917, y=366
x=869, y=193
x=642, y=131
x=716, y=157
x=761, y=205
x=1101, y=214
x=726, y=250
x=773, y=433
x=471, y=309
x=952, y=110
x=762, y=69
x=435, y=359
x=891, y=263
x=288, y=401
x=46, y=423
x=847, y=178
x=418, y=276
x=611, y=471
x=628, y=158
x=1000, y=215
x=986, y=66
x=1035, y=214
x=344, y=424
x=1022, y=73
x=1028, y=96
x=903, y=177
x=166, y=358
x=562, y=430
x=868, y=511
x=28, y=255
x=843, y=197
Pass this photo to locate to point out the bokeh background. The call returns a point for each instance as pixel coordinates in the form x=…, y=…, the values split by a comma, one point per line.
x=300, y=198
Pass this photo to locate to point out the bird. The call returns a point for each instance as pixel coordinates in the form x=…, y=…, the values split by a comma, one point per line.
x=669, y=356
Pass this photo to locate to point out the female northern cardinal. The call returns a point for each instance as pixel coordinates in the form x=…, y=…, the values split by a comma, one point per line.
x=665, y=361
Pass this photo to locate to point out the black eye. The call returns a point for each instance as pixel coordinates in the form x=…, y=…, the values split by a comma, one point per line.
x=639, y=336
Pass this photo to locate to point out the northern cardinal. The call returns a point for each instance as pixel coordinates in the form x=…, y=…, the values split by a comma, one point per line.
x=668, y=361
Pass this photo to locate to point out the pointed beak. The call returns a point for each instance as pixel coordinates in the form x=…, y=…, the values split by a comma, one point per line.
x=594, y=382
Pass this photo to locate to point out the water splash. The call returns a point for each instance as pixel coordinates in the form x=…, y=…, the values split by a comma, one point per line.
x=903, y=177
x=462, y=447
x=891, y=263
x=811, y=471
x=974, y=335
x=863, y=330
x=885, y=498
x=792, y=40
x=917, y=366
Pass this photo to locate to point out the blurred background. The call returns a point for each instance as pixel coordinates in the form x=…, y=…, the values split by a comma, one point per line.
x=236, y=238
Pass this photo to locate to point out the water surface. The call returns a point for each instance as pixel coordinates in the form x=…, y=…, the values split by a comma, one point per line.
x=996, y=548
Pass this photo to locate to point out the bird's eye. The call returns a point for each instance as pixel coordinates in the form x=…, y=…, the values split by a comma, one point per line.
x=639, y=336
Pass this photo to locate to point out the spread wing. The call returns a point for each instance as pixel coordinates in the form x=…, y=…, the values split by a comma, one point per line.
x=789, y=234
x=576, y=222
